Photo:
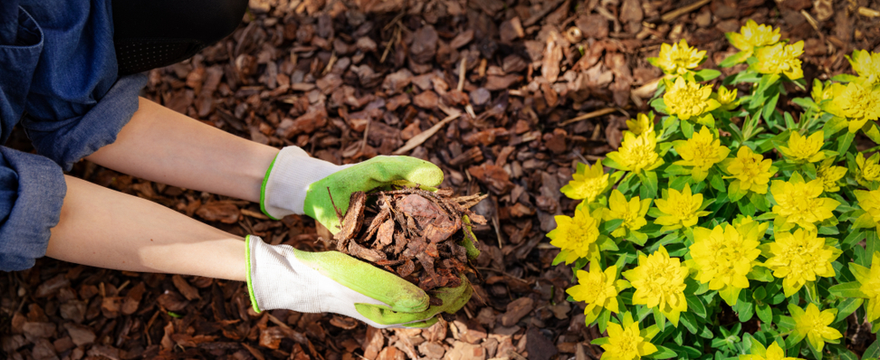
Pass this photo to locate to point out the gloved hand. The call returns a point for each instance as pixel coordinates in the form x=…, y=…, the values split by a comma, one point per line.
x=296, y=183
x=281, y=277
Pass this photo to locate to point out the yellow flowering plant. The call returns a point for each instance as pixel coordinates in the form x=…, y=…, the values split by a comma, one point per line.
x=729, y=225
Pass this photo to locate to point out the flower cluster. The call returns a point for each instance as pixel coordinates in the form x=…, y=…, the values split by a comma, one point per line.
x=725, y=206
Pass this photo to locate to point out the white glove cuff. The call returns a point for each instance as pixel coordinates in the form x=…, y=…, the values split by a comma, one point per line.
x=287, y=181
x=276, y=279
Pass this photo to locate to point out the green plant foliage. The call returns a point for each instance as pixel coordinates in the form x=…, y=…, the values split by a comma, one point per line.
x=726, y=227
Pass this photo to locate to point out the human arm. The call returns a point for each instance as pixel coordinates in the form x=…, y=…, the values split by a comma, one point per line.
x=162, y=145
x=108, y=229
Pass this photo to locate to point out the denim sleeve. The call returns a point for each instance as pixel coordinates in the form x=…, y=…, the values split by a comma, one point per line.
x=32, y=189
x=68, y=140
x=76, y=102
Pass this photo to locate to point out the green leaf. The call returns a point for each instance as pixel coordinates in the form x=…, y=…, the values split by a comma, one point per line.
x=759, y=293
x=845, y=141
x=844, y=78
x=696, y=306
x=735, y=192
x=760, y=273
x=734, y=59
x=746, y=309
x=662, y=353
x=707, y=74
x=560, y=257
x=872, y=245
x=829, y=230
x=770, y=106
x=816, y=354
x=659, y=319
x=765, y=313
x=847, y=307
x=600, y=341
x=689, y=322
x=659, y=105
x=852, y=239
x=805, y=103
x=760, y=201
x=687, y=128
x=872, y=351
x=687, y=351
x=649, y=179
x=744, y=77
x=717, y=183
x=604, y=319
x=847, y=290
x=608, y=226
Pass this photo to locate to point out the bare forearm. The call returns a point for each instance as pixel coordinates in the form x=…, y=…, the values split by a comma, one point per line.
x=162, y=145
x=104, y=228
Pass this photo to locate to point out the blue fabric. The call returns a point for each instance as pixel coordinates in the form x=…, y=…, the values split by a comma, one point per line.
x=58, y=80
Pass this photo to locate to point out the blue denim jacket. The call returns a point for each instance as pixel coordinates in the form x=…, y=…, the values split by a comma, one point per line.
x=58, y=80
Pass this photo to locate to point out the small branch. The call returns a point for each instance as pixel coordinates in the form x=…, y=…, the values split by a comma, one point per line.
x=667, y=17
x=461, y=71
x=589, y=115
x=420, y=138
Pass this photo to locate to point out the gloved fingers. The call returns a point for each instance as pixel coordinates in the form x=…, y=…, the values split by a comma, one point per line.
x=453, y=300
x=421, y=324
x=367, y=280
x=385, y=169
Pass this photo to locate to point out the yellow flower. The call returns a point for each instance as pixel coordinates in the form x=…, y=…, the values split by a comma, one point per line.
x=856, y=102
x=772, y=352
x=627, y=342
x=632, y=213
x=678, y=59
x=701, y=151
x=752, y=35
x=642, y=124
x=659, y=283
x=724, y=256
x=598, y=289
x=830, y=175
x=587, y=183
x=870, y=285
x=804, y=149
x=687, y=100
x=822, y=92
x=680, y=209
x=870, y=202
x=813, y=325
x=781, y=59
x=637, y=153
x=799, y=202
x=799, y=258
x=727, y=98
x=577, y=236
x=751, y=171
x=869, y=170
x=867, y=65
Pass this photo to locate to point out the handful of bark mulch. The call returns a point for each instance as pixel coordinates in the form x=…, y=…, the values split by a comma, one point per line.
x=424, y=237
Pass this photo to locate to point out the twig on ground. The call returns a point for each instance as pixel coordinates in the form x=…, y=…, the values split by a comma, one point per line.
x=672, y=15
x=420, y=138
x=588, y=115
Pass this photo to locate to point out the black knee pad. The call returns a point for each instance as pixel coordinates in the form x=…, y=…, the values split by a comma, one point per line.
x=154, y=33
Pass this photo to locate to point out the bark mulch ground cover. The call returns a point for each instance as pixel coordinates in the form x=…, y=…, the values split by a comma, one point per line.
x=504, y=95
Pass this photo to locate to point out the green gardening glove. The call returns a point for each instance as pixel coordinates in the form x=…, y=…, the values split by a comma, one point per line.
x=298, y=184
x=281, y=277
